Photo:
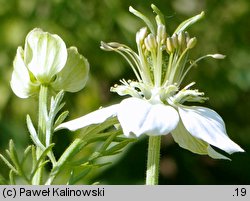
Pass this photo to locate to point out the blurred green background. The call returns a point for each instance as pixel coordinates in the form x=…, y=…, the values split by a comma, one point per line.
x=84, y=23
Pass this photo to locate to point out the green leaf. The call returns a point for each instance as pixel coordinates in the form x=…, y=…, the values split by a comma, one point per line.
x=33, y=133
x=34, y=160
x=40, y=159
x=12, y=178
x=184, y=25
x=76, y=177
x=117, y=147
x=26, y=153
x=95, y=129
x=61, y=118
x=103, y=136
x=8, y=164
x=14, y=157
x=73, y=149
x=108, y=142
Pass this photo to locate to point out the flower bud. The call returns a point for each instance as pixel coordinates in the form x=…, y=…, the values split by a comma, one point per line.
x=45, y=60
x=187, y=36
x=175, y=40
x=161, y=34
x=217, y=56
x=150, y=42
x=182, y=40
x=191, y=43
x=170, y=47
x=140, y=35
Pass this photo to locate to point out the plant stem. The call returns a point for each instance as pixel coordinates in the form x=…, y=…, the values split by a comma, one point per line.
x=152, y=173
x=42, y=119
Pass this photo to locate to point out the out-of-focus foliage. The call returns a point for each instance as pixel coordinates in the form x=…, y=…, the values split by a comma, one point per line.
x=84, y=23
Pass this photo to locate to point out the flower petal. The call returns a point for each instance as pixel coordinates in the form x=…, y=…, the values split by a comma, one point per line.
x=20, y=81
x=205, y=124
x=193, y=144
x=139, y=117
x=95, y=117
x=74, y=75
x=45, y=54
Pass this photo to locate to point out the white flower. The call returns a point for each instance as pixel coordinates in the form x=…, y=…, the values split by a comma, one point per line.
x=45, y=60
x=156, y=106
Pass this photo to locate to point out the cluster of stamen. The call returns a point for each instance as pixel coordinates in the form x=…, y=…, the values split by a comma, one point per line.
x=161, y=62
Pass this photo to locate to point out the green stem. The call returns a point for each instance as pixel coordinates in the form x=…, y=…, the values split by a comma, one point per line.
x=75, y=147
x=42, y=119
x=152, y=173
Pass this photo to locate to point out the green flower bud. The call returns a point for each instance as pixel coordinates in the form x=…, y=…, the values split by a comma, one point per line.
x=141, y=35
x=182, y=41
x=175, y=40
x=191, y=43
x=161, y=34
x=150, y=42
x=169, y=45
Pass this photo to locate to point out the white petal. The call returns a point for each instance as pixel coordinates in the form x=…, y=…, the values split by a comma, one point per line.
x=74, y=75
x=139, y=117
x=45, y=54
x=20, y=81
x=193, y=144
x=95, y=117
x=204, y=123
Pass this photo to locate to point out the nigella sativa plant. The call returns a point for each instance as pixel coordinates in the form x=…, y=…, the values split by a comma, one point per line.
x=157, y=100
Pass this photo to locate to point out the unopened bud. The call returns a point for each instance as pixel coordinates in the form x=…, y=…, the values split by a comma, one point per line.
x=217, y=56
x=161, y=34
x=191, y=43
x=141, y=35
x=170, y=47
x=182, y=40
x=150, y=42
x=187, y=36
x=175, y=40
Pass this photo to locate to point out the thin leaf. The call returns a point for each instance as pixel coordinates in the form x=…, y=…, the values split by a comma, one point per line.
x=97, y=128
x=26, y=153
x=14, y=157
x=184, y=25
x=73, y=149
x=73, y=179
x=33, y=133
x=117, y=147
x=41, y=158
x=34, y=160
x=107, y=142
x=61, y=118
x=8, y=164
x=103, y=136
x=11, y=177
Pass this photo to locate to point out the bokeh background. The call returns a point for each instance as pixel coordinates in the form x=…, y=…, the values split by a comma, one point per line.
x=84, y=23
